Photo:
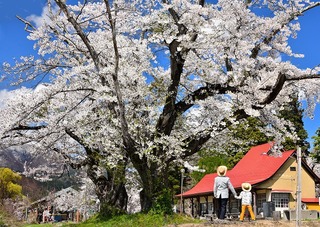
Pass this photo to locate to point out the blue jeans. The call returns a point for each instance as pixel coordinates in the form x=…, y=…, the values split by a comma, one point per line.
x=222, y=202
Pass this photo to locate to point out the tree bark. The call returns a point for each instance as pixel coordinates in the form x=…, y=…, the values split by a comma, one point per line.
x=110, y=189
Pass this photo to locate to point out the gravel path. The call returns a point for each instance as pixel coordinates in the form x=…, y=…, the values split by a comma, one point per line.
x=258, y=223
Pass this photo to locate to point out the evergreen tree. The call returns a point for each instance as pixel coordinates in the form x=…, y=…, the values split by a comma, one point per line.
x=316, y=147
x=248, y=133
x=209, y=161
x=294, y=113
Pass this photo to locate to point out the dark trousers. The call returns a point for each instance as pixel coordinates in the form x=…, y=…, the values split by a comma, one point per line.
x=222, y=207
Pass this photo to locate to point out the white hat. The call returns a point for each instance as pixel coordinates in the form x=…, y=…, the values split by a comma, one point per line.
x=246, y=187
x=222, y=170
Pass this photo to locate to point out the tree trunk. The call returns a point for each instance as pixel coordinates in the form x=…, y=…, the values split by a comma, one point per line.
x=113, y=196
x=110, y=189
x=149, y=182
x=154, y=183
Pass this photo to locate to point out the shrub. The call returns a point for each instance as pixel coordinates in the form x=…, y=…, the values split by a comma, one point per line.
x=163, y=204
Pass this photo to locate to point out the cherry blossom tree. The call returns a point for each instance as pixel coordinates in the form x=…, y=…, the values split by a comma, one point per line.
x=147, y=84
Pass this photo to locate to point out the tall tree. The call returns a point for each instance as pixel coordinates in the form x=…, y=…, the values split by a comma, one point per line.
x=246, y=134
x=249, y=133
x=294, y=114
x=315, y=154
x=151, y=83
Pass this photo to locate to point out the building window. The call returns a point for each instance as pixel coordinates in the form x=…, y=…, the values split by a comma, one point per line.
x=203, y=208
x=210, y=208
x=234, y=203
x=280, y=200
x=261, y=198
x=292, y=168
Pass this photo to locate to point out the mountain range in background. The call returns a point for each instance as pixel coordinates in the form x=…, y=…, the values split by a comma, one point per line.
x=32, y=187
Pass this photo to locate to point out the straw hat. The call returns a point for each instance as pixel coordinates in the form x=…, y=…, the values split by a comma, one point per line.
x=246, y=187
x=222, y=170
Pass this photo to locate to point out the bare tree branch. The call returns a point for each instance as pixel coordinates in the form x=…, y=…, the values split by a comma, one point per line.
x=267, y=39
x=28, y=24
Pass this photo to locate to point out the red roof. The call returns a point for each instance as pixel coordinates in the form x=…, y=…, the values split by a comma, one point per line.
x=310, y=200
x=255, y=167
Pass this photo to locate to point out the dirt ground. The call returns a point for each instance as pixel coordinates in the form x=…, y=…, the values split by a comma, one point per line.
x=258, y=223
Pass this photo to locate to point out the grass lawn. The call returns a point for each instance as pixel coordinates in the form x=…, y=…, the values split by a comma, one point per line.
x=133, y=220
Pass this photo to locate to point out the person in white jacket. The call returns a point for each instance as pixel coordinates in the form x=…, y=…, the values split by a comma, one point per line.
x=246, y=201
x=221, y=188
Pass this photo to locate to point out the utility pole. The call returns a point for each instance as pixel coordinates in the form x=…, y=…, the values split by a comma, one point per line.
x=181, y=205
x=298, y=202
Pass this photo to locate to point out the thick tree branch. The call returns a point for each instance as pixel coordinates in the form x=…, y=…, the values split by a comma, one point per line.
x=26, y=128
x=177, y=59
x=128, y=141
x=78, y=140
x=168, y=117
x=196, y=141
x=130, y=145
x=303, y=77
x=94, y=55
x=201, y=94
x=275, y=90
x=80, y=32
x=70, y=162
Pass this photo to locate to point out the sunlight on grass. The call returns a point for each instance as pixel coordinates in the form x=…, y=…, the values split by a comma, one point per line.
x=133, y=220
x=141, y=220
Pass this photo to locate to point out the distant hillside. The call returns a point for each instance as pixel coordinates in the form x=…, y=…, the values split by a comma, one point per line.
x=9, y=159
x=15, y=159
x=34, y=189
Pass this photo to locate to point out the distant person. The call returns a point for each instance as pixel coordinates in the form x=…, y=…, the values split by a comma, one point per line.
x=246, y=201
x=221, y=188
x=46, y=215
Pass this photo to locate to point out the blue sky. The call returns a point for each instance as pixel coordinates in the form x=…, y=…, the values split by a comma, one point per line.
x=308, y=43
x=13, y=41
x=12, y=35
